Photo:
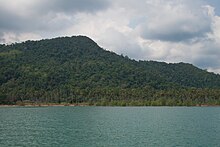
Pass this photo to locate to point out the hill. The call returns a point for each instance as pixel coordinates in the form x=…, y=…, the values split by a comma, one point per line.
x=75, y=70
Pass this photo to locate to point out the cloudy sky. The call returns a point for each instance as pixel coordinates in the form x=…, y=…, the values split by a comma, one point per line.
x=162, y=30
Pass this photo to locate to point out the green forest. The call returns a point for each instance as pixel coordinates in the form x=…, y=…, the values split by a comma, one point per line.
x=76, y=70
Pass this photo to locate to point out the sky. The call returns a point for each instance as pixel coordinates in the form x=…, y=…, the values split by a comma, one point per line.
x=171, y=31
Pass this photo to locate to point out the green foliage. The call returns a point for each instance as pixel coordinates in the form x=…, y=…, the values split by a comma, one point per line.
x=77, y=70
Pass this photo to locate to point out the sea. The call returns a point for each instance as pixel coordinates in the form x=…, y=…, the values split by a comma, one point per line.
x=90, y=126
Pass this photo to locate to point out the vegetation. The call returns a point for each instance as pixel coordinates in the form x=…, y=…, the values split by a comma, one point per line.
x=76, y=70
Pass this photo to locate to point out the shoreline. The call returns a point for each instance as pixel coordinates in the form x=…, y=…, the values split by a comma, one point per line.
x=43, y=105
x=82, y=105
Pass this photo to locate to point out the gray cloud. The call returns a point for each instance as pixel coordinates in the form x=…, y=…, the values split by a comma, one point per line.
x=73, y=5
x=208, y=55
x=176, y=22
x=174, y=34
x=214, y=3
x=9, y=21
x=44, y=15
x=206, y=61
x=2, y=39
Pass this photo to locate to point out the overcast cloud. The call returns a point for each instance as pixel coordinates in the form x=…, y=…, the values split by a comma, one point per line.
x=161, y=30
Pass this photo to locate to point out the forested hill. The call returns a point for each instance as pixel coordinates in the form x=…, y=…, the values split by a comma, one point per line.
x=76, y=69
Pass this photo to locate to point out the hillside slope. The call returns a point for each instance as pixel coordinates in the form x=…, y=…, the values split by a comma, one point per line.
x=76, y=69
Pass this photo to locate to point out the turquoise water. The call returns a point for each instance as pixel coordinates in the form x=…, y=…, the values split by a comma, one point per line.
x=109, y=126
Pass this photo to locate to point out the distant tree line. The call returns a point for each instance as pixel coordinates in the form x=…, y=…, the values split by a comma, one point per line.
x=116, y=96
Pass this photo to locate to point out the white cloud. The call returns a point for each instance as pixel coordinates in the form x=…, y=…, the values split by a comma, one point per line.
x=11, y=37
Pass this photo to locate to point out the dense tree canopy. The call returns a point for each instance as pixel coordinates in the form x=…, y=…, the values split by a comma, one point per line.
x=75, y=69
